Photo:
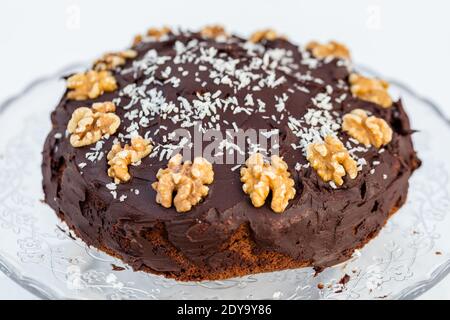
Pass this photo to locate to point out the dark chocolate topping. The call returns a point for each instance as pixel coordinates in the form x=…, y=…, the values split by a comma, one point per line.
x=183, y=79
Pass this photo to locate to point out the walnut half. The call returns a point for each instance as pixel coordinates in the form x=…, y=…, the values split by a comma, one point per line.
x=113, y=60
x=90, y=85
x=120, y=158
x=213, y=32
x=267, y=34
x=367, y=130
x=373, y=90
x=155, y=33
x=188, y=180
x=89, y=125
x=330, y=49
x=158, y=33
x=331, y=160
x=260, y=177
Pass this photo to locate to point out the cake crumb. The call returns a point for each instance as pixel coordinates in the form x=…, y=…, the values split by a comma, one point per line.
x=116, y=268
x=344, y=280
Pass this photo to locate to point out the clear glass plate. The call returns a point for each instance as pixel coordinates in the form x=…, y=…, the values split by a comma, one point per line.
x=411, y=254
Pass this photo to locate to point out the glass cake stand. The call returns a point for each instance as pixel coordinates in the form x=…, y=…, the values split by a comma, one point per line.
x=410, y=255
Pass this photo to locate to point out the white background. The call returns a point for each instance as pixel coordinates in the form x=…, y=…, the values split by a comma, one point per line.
x=406, y=40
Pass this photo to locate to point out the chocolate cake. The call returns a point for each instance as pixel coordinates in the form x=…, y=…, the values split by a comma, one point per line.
x=117, y=172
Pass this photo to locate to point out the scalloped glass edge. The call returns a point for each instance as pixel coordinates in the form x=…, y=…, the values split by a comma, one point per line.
x=41, y=290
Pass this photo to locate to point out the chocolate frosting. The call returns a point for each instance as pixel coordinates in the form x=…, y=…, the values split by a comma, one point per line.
x=322, y=224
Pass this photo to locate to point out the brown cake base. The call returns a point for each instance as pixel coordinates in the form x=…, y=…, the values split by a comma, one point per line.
x=240, y=250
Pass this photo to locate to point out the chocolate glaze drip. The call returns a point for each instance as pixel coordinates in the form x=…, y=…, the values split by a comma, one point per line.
x=225, y=235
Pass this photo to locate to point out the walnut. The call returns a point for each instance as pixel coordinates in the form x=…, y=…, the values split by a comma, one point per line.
x=113, y=60
x=188, y=180
x=373, y=90
x=331, y=160
x=260, y=177
x=267, y=34
x=90, y=85
x=89, y=125
x=331, y=49
x=104, y=107
x=158, y=33
x=367, y=130
x=137, y=39
x=213, y=32
x=120, y=158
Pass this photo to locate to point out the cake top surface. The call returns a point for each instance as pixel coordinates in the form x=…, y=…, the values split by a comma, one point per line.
x=222, y=97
